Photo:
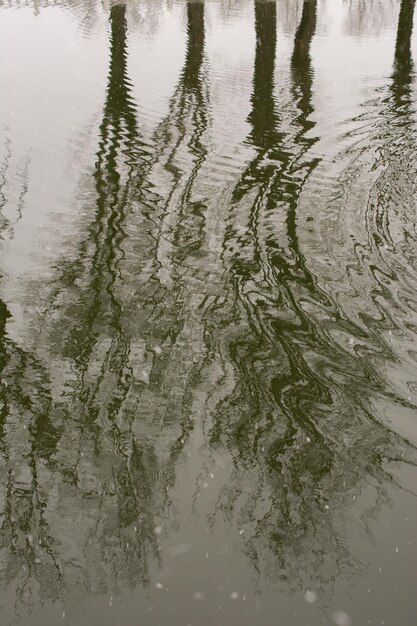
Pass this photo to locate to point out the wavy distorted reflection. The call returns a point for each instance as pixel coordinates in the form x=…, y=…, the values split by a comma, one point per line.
x=80, y=484
x=116, y=416
x=382, y=235
x=155, y=332
x=302, y=433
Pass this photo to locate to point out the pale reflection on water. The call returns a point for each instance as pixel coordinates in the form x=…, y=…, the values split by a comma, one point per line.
x=208, y=313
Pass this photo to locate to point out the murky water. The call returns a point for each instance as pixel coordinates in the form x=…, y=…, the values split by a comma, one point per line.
x=208, y=313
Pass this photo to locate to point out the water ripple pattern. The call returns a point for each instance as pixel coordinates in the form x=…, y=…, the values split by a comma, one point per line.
x=208, y=319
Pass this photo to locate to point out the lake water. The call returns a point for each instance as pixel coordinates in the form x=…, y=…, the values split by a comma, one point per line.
x=208, y=311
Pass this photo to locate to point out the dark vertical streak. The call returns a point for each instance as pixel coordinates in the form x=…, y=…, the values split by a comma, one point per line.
x=403, y=63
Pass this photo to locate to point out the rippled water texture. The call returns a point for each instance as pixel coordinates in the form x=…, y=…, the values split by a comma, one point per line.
x=208, y=313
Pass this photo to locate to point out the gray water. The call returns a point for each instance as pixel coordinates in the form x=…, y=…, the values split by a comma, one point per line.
x=208, y=313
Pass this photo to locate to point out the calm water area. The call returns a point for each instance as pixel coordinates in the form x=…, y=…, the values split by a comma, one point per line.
x=208, y=313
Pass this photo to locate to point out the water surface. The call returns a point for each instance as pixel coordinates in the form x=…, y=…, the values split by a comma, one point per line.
x=208, y=313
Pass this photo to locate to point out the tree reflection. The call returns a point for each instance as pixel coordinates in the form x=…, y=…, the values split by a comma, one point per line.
x=369, y=17
x=79, y=482
x=147, y=329
x=403, y=63
x=303, y=437
x=112, y=423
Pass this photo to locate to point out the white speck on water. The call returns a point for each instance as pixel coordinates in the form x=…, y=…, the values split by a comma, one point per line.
x=310, y=597
x=396, y=549
x=326, y=506
x=341, y=618
x=308, y=439
x=158, y=530
x=234, y=595
x=241, y=532
x=30, y=539
x=111, y=601
x=135, y=529
x=211, y=475
x=380, y=569
x=145, y=376
x=198, y=595
x=63, y=615
x=206, y=555
x=354, y=498
x=351, y=341
x=159, y=585
x=157, y=349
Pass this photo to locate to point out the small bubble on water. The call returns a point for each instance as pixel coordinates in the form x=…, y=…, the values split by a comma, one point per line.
x=234, y=595
x=159, y=585
x=310, y=597
x=396, y=549
x=241, y=532
x=308, y=439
